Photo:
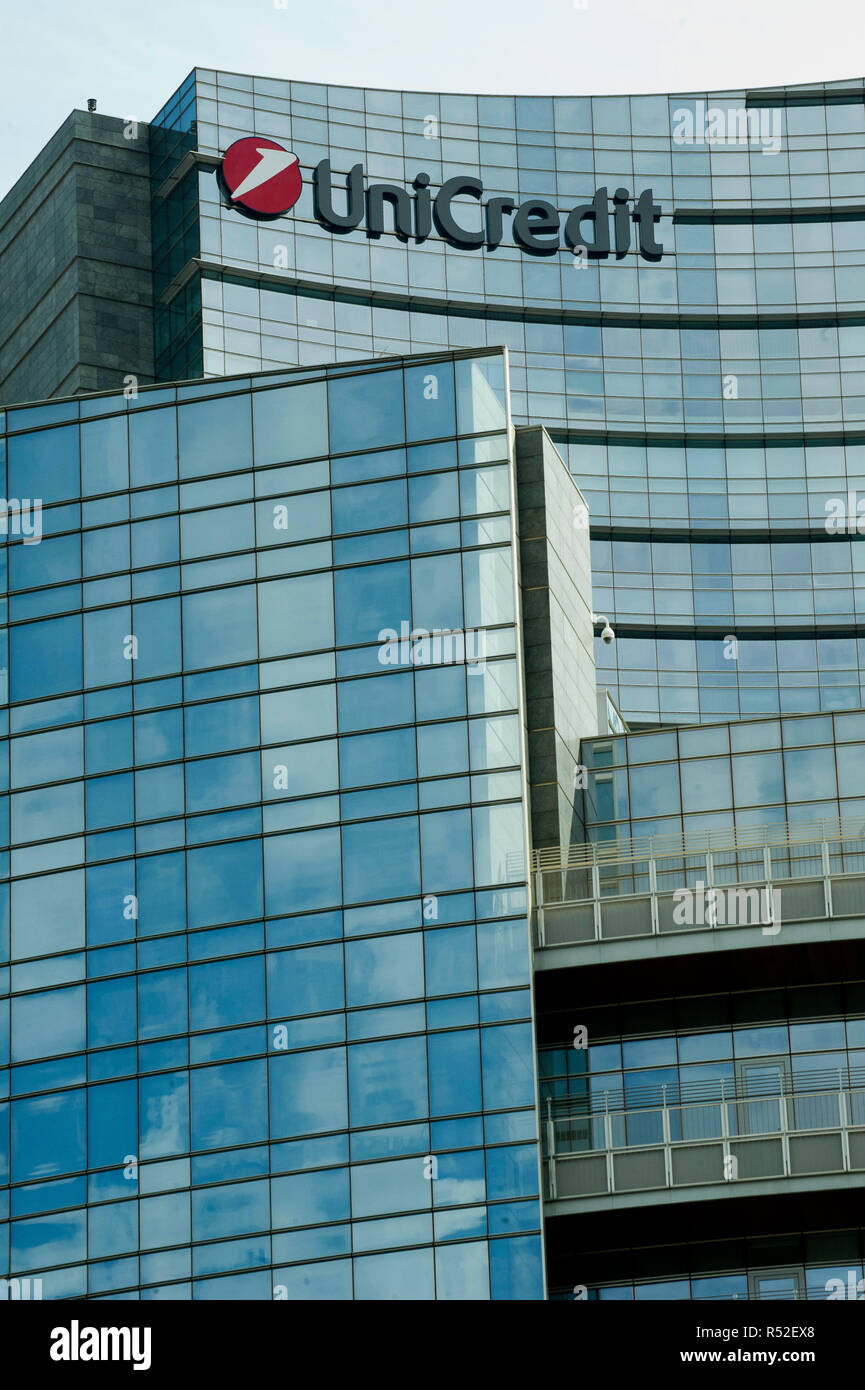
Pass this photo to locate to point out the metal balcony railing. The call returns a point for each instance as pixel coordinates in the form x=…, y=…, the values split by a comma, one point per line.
x=731, y=1139
x=797, y=1295
x=760, y=877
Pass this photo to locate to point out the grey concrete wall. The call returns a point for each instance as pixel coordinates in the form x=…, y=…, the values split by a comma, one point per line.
x=76, y=297
x=556, y=583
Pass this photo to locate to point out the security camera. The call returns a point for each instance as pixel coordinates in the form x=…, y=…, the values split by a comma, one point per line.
x=607, y=633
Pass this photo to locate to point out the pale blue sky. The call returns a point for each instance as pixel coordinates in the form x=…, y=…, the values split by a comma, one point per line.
x=57, y=53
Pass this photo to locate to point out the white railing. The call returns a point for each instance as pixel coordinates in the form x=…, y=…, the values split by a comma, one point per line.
x=602, y=891
x=727, y=1139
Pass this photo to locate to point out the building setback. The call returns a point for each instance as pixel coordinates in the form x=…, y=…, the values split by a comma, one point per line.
x=76, y=296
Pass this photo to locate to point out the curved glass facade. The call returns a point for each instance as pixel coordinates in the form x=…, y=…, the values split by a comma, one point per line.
x=719, y=386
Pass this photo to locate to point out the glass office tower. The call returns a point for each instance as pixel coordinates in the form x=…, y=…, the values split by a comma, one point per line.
x=325, y=784
x=266, y=1019
x=710, y=403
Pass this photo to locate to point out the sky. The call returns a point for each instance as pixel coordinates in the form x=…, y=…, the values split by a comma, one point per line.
x=57, y=53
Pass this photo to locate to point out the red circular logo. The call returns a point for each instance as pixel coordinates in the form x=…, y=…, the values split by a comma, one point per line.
x=261, y=177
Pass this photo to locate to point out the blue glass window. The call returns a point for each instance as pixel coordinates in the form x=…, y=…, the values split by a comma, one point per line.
x=303, y=1198
x=162, y=1006
x=153, y=448
x=308, y=980
x=370, y=507
x=44, y=464
x=455, y=1077
x=507, y=1071
x=302, y=871
x=429, y=401
x=382, y=969
x=446, y=850
x=219, y=628
x=295, y=615
x=163, y=1106
x=308, y=1092
x=381, y=859
x=225, y=883
x=388, y=1081
x=290, y=423
x=45, y=658
x=215, y=436
x=369, y=599
x=46, y=1024
x=48, y=1135
x=228, y=1104
x=104, y=450
x=225, y=993
x=366, y=411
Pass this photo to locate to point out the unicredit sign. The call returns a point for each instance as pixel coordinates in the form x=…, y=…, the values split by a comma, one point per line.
x=536, y=225
x=262, y=179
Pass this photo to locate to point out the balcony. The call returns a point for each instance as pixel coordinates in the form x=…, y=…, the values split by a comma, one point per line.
x=732, y=1142
x=624, y=900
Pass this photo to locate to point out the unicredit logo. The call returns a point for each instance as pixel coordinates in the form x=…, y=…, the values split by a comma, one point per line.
x=260, y=177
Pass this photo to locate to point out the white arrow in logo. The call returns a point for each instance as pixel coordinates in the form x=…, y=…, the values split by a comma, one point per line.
x=271, y=163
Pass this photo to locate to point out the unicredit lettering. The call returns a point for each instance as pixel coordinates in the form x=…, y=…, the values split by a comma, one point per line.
x=536, y=225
